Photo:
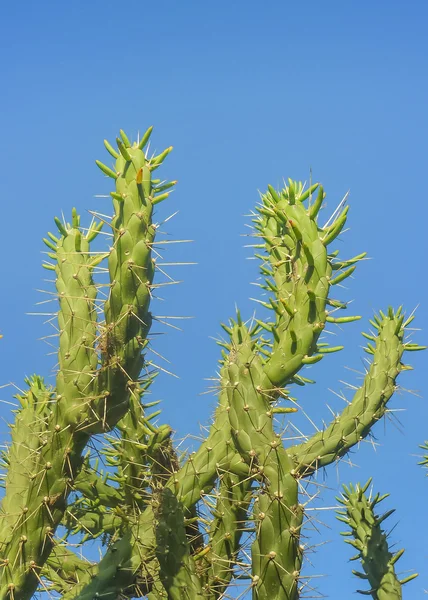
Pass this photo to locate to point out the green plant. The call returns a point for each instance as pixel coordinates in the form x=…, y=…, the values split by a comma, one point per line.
x=371, y=543
x=176, y=527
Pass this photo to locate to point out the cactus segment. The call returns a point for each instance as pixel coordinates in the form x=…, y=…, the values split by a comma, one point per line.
x=371, y=543
x=367, y=407
x=299, y=274
x=131, y=270
x=57, y=428
x=32, y=500
x=77, y=323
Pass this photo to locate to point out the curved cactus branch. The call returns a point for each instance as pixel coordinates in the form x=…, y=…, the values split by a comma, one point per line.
x=177, y=566
x=127, y=568
x=370, y=400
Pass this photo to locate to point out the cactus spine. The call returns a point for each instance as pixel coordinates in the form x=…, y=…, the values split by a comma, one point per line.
x=175, y=527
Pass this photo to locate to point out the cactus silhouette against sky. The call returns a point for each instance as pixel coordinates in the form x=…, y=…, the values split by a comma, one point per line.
x=180, y=527
x=371, y=544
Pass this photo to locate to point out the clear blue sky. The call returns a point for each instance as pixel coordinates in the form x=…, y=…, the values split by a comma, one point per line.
x=247, y=93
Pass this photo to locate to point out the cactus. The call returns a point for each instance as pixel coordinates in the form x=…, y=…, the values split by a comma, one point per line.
x=371, y=543
x=175, y=526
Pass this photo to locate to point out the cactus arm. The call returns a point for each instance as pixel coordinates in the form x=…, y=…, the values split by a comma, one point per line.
x=77, y=324
x=215, y=456
x=368, y=405
x=56, y=458
x=131, y=271
x=289, y=367
x=298, y=273
x=93, y=521
x=371, y=543
x=92, y=485
x=25, y=523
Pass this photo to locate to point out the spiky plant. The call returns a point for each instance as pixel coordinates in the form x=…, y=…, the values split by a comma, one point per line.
x=178, y=527
x=371, y=543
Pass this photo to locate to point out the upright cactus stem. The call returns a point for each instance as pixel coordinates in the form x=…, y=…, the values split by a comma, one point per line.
x=192, y=526
x=370, y=541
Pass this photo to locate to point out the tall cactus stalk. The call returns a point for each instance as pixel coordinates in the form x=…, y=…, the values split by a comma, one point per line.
x=177, y=527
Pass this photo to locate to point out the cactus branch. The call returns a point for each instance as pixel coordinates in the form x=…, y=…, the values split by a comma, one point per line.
x=371, y=543
x=368, y=405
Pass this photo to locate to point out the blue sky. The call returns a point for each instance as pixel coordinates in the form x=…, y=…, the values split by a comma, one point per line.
x=247, y=93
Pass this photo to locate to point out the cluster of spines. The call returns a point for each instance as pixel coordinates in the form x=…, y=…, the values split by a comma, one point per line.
x=371, y=542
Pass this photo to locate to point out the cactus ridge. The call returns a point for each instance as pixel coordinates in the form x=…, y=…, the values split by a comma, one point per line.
x=92, y=456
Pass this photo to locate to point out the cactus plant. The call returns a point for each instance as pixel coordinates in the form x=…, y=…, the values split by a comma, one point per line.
x=178, y=527
x=371, y=542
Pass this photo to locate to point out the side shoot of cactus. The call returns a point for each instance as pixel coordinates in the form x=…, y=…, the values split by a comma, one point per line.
x=371, y=542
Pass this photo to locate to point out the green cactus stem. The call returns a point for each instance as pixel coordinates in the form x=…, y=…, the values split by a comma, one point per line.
x=127, y=568
x=298, y=275
x=371, y=543
x=276, y=553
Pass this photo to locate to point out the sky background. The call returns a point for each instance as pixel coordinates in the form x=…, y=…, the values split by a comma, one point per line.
x=248, y=93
